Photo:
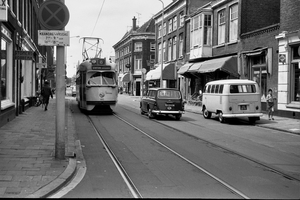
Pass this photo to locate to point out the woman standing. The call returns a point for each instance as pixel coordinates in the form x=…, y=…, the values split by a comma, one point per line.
x=270, y=104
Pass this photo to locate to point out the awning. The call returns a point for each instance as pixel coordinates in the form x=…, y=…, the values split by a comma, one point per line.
x=125, y=78
x=184, y=68
x=227, y=64
x=195, y=67
x=168, y=72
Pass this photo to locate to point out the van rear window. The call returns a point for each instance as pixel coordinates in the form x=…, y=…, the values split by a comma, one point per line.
x=242, y=89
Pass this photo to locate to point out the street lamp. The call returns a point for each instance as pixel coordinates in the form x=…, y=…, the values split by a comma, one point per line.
x=162, y=42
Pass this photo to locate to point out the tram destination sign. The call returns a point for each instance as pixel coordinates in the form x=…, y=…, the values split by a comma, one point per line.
x=53, y=38
x=101, y=67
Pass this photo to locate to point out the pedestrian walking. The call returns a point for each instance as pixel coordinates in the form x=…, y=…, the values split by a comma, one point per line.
x=270, y=104
x=46, y=93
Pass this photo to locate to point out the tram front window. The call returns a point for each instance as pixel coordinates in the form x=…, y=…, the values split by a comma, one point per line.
x=102, y=78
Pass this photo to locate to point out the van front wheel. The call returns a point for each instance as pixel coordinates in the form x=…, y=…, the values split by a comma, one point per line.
x=206, y=114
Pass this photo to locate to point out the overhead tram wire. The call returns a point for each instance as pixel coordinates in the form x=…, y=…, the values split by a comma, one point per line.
x=98, y=16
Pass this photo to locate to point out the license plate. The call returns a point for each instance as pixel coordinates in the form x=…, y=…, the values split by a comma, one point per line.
x=243, y=107
x=171, y=105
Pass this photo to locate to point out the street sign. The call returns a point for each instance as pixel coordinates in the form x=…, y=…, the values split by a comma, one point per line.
x=53, y=38
x=53, y=15
x=24, y=55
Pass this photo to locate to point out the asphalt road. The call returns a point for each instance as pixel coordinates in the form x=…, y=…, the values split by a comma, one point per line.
x=159, y=173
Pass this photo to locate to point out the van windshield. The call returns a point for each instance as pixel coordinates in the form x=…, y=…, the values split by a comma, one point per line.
x=169, y=94
x=242, y=88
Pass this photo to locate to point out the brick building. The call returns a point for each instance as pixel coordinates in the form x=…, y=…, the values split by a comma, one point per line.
x=134, y=56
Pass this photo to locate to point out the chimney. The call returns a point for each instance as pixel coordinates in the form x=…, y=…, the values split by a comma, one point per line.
x=134, y=23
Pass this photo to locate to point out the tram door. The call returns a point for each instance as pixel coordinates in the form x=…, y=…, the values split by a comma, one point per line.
x=82, y=89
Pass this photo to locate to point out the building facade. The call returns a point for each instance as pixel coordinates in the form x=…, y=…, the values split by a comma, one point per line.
x=20, y=55
x=134, y=56
x=288, y=60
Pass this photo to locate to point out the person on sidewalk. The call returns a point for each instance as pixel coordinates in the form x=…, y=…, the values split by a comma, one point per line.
x=46, y=93
x=270, y=104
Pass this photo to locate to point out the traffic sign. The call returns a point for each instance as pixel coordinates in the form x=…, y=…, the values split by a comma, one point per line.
x=53, y=38
x=53, y=15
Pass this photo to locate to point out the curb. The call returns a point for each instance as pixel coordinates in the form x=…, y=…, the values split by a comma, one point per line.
x=59, y=182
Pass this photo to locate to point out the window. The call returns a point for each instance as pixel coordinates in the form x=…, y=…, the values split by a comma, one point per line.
x=102, y=78
x=152, y=46
x=242, y=89
x=174, y=23
x=295, y=74
x=170, y=50
x=221, y=89
x=217, y=89
x=221, y=27
x=181, y=16
x=137, y=62
x=170, y=26
x=174, y=48
x=195, y=31
x=164, y=55
x=3, y=70
x=138, y=46
x=180, y=45
x=165, y=29
x=233, y=29
x=207, y=35
x=159, y=31
x=159, y=53
x=213, y=89
x=169, y=94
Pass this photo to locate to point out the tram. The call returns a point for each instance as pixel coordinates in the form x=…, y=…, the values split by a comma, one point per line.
x=96, y=82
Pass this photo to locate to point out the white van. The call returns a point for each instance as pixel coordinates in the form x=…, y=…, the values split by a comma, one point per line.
x=232, y=98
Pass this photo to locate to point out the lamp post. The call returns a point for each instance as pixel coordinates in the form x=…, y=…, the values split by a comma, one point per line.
x=162, y=42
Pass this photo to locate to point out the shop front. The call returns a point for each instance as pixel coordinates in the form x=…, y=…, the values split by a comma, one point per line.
x=289, y=74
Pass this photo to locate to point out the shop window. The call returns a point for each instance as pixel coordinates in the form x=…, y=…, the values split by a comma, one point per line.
x=3, y=70
x=295, y=74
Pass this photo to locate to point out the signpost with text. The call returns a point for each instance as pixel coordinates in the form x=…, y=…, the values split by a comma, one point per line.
x=54, y=16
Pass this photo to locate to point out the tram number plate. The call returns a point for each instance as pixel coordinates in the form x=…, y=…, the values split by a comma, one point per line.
x=243, y=107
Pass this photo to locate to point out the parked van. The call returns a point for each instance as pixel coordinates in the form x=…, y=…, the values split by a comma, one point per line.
x=232, y=98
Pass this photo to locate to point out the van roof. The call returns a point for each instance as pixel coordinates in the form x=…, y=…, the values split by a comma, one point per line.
x=233, y=81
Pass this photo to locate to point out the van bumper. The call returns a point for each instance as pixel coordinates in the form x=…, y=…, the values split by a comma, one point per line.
x=243, y=115
x=167, y=112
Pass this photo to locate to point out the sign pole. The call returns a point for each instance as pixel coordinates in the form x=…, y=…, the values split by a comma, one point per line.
x=60, y=102
x=48, y=11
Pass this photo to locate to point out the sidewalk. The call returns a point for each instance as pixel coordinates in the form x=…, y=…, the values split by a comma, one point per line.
x=28, y=167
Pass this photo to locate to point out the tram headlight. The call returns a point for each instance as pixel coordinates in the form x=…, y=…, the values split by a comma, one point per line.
x=230, y=108
x=257, y=107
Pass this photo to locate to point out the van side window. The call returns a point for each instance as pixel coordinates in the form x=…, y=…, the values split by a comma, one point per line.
x=205, y=89
x=217, y=89
x=221, y=89
x=208, y=89
x=242, y=89
x=213, y=89
x=234, y=89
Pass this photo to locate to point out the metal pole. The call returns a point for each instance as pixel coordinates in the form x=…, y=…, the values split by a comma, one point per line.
x=60, y=102
x=162, y=43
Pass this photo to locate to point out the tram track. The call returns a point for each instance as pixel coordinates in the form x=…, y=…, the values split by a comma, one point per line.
x=266, y=166
x=131, y=186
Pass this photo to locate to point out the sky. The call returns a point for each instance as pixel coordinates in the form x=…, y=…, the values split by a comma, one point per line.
x=115, y=19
